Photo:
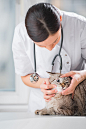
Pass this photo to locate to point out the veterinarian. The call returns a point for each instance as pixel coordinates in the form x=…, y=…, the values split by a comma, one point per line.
x=36, y=42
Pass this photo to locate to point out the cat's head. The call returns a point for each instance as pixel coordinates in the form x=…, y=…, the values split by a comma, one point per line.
x=62, y=83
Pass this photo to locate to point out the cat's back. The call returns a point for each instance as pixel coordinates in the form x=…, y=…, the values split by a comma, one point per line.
x=81, y=89
x=80, y=96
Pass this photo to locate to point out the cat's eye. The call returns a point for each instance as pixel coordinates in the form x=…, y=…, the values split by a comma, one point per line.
x=58, y=80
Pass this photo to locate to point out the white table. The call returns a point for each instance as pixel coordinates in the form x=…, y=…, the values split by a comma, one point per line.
x=24, y=120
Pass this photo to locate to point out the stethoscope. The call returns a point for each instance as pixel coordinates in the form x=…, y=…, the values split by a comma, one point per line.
x=34, y=77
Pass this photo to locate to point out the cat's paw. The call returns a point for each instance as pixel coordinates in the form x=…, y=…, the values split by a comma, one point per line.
x=37, y=112
x=41, y=112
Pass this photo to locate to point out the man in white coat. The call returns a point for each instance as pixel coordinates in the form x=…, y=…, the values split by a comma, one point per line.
x=42, y=26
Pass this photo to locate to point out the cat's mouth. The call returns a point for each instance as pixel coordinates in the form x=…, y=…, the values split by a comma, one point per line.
x=62, y=85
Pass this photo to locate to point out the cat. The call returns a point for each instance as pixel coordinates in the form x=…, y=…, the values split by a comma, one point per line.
x=65, y=105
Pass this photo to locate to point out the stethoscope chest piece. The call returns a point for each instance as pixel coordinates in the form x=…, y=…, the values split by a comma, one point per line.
x=34, y=77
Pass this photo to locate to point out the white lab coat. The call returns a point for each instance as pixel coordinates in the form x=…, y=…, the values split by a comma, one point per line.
x=73, y=53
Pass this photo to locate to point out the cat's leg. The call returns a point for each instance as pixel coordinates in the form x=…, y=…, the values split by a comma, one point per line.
x=45, y=111
x=40, y=112
x=61, y=112
x=65, y=111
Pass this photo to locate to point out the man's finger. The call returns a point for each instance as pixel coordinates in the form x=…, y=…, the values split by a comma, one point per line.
x=48, y=96
x=71, y=88
x=47, y=81
x=74, y=82
x=47, y=100
x=72, y=95
x=44, y=86
x=67, y=91
x=49, y=92
x=68, y=74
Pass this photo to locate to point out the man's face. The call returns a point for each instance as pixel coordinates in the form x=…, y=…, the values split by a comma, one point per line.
x=51, y=41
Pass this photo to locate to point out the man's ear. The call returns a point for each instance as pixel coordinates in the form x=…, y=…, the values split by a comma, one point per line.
x=60, y=18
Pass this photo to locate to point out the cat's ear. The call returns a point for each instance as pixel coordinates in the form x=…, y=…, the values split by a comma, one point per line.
x=53, y=74
x=48, y=72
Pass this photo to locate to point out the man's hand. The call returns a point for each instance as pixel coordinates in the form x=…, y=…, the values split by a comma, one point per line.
x=77, y=77
x=48, y=89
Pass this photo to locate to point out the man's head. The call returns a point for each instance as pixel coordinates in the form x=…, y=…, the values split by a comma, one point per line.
x=43, y=25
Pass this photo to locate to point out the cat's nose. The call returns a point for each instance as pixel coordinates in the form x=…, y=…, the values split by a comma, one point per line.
x=63, y=85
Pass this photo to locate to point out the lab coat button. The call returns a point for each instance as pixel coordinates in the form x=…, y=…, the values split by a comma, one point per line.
x=67, y=62
x=65, y=54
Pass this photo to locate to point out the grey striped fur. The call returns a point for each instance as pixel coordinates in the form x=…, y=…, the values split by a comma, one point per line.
x=65, y=105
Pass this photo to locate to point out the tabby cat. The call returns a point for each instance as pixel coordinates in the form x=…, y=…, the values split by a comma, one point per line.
x=65, y=104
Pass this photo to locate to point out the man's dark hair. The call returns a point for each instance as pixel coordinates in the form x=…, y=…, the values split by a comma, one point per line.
x=42, y=20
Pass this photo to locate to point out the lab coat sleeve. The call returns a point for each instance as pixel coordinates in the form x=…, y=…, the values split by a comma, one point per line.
x=21, y=60
x=83, y=42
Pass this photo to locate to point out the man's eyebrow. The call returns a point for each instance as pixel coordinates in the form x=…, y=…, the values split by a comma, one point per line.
x=55, y=40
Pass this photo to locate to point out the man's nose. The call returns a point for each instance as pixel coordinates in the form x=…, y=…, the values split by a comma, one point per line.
x=49, y=47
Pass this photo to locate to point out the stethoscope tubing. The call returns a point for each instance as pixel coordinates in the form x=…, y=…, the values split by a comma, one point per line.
x=59, y=51
x=55, y=55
